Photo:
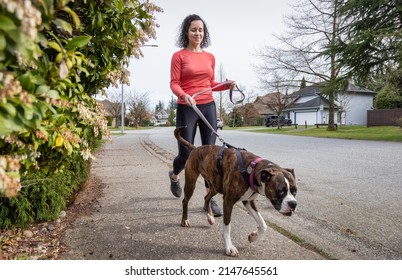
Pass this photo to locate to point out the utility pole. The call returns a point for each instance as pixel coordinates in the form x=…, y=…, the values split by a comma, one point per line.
x=122, y=95
x=122, y=108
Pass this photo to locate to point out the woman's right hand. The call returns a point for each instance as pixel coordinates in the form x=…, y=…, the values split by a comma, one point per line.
x=189, y=100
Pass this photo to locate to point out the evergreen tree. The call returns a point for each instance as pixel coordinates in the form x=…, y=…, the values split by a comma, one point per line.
x=172, y=103
x=303, y=83
x=371, y=45
x=160, y=106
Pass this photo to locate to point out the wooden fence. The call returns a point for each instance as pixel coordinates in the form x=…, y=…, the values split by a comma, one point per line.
x=383, y=117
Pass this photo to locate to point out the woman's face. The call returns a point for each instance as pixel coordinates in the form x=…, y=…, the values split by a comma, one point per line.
x=196, y=33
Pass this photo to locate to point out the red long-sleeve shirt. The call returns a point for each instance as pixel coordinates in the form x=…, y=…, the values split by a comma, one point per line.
x=193, y=72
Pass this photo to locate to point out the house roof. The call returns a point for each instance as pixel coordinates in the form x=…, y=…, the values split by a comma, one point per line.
x=306, y=91
x=162, y=112
x=266, y=99
x=318, y=101
x=312, y=104
x=263, y=109
x=260, y=104
x=357, y=89
x=110, y=107
x=316, y=89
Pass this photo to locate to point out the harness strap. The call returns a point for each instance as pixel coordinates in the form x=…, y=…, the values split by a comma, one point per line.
x=240, y=162
x=220, y=157
x=247, y=174
x=219, y=160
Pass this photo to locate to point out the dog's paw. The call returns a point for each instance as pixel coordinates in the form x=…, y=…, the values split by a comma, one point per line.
x=211, y=219
x=253, y=236
x=232, y=251
x=185, y=223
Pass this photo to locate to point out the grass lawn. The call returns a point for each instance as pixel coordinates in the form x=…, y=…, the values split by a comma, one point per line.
x=379, y=133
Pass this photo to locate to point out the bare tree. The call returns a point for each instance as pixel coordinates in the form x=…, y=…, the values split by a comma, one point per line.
x=305, y=50
x=222, y=97
x=138, y=106
x=244, y=108
x=343, y=105
x=279, y=103
x=114, y=108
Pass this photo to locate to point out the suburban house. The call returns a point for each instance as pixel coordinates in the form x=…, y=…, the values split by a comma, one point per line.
x=259, y=109
x=160, y=118
x=311, y=107
x=350, y=106
x=113, y=111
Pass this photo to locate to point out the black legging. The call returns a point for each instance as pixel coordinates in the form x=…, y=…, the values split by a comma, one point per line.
x=186, y=116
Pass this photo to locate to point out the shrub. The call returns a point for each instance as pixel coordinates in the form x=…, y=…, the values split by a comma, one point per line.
x=55, y=56
x=43, y=194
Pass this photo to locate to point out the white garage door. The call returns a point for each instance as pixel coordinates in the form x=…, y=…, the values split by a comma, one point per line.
x=309, y=117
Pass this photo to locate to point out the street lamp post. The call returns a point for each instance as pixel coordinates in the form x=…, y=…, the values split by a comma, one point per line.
x=122, y=109
x=122, y=95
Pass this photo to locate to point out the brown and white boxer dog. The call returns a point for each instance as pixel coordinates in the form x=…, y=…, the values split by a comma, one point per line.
x=240, y=176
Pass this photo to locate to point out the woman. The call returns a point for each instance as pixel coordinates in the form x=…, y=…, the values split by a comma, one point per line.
x=193, y=71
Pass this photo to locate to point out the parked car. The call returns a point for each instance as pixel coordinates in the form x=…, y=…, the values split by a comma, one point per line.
x=273, y=121
x=219, y=124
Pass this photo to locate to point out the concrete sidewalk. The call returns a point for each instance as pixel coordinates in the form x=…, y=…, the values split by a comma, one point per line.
x=139, y=219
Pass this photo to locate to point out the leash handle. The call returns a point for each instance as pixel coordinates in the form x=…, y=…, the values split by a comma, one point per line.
x=243, y=96
x=231, y=95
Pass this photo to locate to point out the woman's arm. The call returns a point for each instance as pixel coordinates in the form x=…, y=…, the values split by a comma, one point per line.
x=175, y=74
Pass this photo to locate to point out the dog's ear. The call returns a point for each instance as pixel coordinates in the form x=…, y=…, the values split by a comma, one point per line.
x=263, y=176
x=292, y=171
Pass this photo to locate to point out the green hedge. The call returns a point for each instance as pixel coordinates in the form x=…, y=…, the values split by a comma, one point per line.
x=44, y=195
x=55, y=57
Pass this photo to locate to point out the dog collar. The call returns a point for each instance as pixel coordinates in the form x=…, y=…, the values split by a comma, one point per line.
x=250, y=171
x=247, y=173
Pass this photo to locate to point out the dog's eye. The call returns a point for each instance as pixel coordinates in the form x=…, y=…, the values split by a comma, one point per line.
x=281, y=193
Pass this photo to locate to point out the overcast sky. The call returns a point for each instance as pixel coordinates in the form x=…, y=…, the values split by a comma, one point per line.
x=237, y=28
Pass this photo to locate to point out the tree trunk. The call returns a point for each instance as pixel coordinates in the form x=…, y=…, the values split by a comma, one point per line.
x=332, y=83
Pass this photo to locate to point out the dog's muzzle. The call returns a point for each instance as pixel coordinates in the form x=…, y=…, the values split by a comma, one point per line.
x=286, y=207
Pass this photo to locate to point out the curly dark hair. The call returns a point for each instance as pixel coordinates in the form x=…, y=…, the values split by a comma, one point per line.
x=182, y=41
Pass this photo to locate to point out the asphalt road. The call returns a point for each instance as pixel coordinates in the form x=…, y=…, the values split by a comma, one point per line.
x=349, y=190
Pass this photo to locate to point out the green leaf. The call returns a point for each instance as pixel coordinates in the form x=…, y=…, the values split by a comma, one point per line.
x=42, y=107
x=64, y=25
x=54, y=45
x=68, y=147
x=29, y=81
x=28, y=112
x=3, y=42
x=78, y=42
x=74, y=16
x=53, y=94
x=41, y=89
x=9, y=109
x=6, y=23
x=9, y=125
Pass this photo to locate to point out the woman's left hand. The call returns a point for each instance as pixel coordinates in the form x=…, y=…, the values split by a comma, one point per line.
x=232, y=85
